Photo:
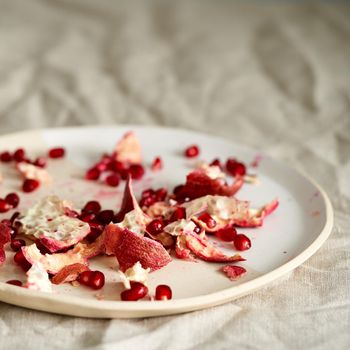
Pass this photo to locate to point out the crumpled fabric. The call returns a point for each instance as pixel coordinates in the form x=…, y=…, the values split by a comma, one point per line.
x=272, y=75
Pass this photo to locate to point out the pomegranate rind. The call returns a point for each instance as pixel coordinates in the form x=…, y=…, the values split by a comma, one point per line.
x=30, y=171
x=52, y=263
x=181, y=250
x=205, y=251
x=129, y=248
x=234, y=272
x=128, y=149
x=69, y=273
x=5, y=237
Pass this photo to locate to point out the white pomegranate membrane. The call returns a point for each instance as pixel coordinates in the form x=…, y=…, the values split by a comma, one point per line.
x=141, y=235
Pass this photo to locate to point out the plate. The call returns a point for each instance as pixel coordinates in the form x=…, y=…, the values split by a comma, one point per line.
x=294, y=232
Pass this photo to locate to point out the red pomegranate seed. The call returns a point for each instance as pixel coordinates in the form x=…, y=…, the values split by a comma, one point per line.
x=147, y=193
x=197, y=229
x=20, y=260
x=105, y=216
x=19, y=155
x=155, y=227
x=136, y=171
x=157, y=164
x=242, y=242
x=92, y=174
x=235, y=168
x=216, y=162
x=95, y=231
x=84, y=277
x=12, y=199
x=178, y=189
x=6, y=222
x=226, y=234
x=192, y=151
x=17, y=244
x=57, y=152
x=6, y=157
x=97, y=280
x=14, y=216
x=92, y=207
x=40, y=162
x=163, y=292
x=137, y=291
x=161, y=194
x=15, y=283
x=112, y=180
x=178, y=214
x=87, y=217
x=30, y=185
x=147, y=201
x=207, y=219
x=4, y=206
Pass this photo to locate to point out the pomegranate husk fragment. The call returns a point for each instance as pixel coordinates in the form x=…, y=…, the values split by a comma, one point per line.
x=69, y=273
x=233, y=272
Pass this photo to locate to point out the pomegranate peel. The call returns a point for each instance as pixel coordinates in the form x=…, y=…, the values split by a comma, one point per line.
x=233, y=272
x=69, y=273
x=128, y=149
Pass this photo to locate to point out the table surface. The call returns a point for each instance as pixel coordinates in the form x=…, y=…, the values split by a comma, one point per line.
x=272, y=75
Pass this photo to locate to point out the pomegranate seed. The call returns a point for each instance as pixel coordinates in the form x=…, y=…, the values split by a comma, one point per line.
x=147, y=193
x=157, y=164
x=15, y=283
x=235, y=168
x=101, y=166
x=84, y=277
x=12, y=199
x=87, y=217
x=17, y=244
x=197, y=230
x=155, y=227
x=105, y=216
x=192, y=151
x=216, y=162
x=95, y=231
x=124, y=174
x=40, y=162
x=136, y=171
x=6, y=222
x=57, y=152
x=29, y=185
x=226, y=234
x=92, y=174
x=178, y=214
x=20, y=260
x=147, y=202
x=92, y=207
x=161, y=194
x=6, y=157
x=117, y=166
x=19, y=155
x=97, y=280
x=14, y=216
x=137, y=291
x=163, y=292
x=4, y=206
x=112, y=180
x=242, y=242
x=178, y=189
x=207, y=219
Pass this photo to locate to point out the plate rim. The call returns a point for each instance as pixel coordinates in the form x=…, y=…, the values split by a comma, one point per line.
x=147, y=308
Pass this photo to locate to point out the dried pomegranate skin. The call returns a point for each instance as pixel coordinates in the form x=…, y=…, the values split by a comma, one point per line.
x=205, y=251
x=129, y=201
x=5, y=236
x=129, y=248
x=69, y=273
x=233, y=272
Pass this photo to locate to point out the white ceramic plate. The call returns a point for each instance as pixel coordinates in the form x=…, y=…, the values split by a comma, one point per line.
x=289, y=236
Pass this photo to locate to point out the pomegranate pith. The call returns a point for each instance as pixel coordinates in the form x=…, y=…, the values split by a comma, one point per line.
x=137, y=291
x=163, y=292
x=242, y=242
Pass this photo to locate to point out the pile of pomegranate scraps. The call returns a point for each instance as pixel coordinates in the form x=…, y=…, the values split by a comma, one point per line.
x=54, y=242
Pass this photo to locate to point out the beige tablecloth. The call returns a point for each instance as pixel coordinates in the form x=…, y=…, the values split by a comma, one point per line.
x=272, y=74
